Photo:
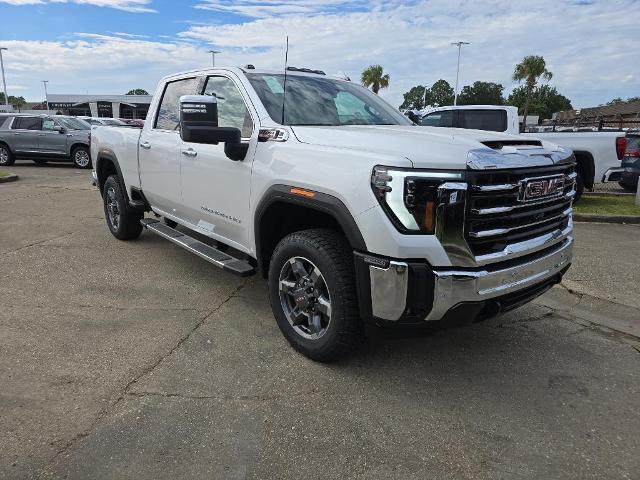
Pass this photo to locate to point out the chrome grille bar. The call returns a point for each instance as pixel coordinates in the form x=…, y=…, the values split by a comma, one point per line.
x=502, y=231
x=490, y=211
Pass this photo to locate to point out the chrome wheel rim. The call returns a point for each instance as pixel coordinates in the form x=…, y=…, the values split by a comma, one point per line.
x=305, y=298
x=113, y=211
x=4, y=156
x=82, y=158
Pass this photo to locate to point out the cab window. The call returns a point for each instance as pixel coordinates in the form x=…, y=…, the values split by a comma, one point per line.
x=168, y=116
x=232, y=111
x=443, y=118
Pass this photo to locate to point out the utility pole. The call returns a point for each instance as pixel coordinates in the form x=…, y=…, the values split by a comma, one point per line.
x=459, y=45
x=4, y=82
x=213, y=57
x=46, y=95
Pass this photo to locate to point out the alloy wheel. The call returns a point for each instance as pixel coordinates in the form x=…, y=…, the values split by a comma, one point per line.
x=81, y=158
x=4, y=156
x=112, y=208
x=304, y=297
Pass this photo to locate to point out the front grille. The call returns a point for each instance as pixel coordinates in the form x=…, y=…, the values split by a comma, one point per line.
x=496, y=216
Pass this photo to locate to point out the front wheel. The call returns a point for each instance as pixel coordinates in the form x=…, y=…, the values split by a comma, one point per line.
x=313, y=294
x=122, y=220
x=81, y=157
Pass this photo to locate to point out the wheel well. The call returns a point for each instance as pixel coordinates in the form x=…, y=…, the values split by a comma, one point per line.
x=586, y=168
x=282, y=218
x=76, y=145
x=105, y=169
x=6, y=145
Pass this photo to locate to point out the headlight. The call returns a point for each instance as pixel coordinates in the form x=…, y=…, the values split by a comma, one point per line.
x=410, y=197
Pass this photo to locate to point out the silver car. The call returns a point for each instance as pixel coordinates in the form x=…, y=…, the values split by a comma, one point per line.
x=44, y=137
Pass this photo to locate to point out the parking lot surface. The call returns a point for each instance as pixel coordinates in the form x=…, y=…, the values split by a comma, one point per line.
x=139, y=360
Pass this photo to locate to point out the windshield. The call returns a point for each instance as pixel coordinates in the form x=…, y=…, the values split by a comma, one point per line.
x=322, y=101
x=74, y=123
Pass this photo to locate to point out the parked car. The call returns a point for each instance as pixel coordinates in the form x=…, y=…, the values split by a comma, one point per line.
x=114, y=122
x=629, y=171
x=353, y=213
x=132, y=122
x=44, y=137
x=595, y=151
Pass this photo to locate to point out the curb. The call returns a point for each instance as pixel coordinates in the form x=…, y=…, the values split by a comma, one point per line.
x=607, y=194
x=9, y=178
x=594, y=217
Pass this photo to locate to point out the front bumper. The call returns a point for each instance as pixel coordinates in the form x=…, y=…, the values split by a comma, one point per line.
x=408, y=292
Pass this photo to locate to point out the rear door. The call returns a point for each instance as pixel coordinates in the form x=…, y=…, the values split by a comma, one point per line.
x=215, y=189
x=51, y=141
x=159, y=148
x=24, y=134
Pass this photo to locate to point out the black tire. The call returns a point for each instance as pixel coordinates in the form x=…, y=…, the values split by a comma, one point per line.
x=40, y=161
x=333, y=257
x=627, y=187
x=81, y=157
x=579, y=187
x=116, y=207
x=6, y=156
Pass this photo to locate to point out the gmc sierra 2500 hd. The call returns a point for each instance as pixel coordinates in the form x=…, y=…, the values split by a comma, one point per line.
x=351, y=212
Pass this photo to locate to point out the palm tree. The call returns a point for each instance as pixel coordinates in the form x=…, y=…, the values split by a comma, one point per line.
x=530, y=70
x=373, y=77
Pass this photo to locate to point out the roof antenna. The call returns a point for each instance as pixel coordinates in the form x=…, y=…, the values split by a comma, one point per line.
x=284, y=87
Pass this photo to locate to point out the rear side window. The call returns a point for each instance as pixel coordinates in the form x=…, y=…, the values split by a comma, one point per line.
x=27, y=123
x=493, y=120
x=168, y=116
x=438, y=119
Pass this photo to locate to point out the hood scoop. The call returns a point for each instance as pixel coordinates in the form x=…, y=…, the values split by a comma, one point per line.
x=500, y=144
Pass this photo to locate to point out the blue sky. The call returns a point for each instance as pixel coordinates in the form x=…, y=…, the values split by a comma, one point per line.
x=110, y=46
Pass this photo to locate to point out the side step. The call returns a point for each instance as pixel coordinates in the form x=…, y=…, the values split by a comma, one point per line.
x=210, y=254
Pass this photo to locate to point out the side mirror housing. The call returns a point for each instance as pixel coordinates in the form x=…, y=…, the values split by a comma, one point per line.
x=60, y=129
x=199, y=121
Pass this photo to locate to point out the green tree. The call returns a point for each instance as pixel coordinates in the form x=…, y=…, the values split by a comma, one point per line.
x=481, y=93
x=16, y=102
x=615, y=101
x=137, y=91
x=375, y=78
x=414, y=99
x=530, y=70
x=441, y=94
x=545, y=101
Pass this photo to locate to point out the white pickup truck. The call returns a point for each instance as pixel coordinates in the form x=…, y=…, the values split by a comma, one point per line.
x=596, y=151
x=351, y=212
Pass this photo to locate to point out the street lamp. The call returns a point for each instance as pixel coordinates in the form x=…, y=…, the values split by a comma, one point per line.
x=213, y=56
x=46, y=95
x=4, y=82
x=459, y=45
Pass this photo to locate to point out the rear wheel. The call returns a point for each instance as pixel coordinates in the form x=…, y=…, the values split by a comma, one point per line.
x=6, y=157
x=122, y=220
x=81, y=157
x=313, y=294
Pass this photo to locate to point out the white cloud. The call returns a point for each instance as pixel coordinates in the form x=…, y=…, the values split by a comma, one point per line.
x=133, y=6
x=266, y=8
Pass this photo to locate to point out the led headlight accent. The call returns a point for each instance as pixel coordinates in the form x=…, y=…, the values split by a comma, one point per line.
x=409, y=197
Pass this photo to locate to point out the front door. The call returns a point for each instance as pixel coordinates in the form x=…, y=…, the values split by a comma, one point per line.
x=159, y=149
x=51, y=141
x=215, y=189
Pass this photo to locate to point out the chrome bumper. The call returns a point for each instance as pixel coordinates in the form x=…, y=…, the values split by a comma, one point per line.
x=454, y=286
x=612, y=175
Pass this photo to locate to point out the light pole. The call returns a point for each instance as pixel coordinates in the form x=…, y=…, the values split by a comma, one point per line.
x=459, y=45
x=46, y=95
x=213, y=56
x=4, y=82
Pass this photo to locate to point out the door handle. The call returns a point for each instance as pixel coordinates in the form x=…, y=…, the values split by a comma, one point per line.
x=189, y=152
x=145, y=145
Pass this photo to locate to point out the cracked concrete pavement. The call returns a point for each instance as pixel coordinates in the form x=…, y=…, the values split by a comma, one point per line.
x=139, y=360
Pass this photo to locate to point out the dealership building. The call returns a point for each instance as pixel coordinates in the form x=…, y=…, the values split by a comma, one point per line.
x=114, y=106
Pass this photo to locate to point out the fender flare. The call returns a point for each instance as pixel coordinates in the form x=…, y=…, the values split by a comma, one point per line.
x=321, y=202
x=107, y=155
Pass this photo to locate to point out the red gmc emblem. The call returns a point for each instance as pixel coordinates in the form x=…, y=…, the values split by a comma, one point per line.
x=532, y=189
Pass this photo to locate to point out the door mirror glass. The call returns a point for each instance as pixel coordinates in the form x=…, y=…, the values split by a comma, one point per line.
x=199, y=121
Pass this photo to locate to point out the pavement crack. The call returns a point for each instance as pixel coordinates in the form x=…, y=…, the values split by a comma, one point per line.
x=126, y=390
x=37, y=243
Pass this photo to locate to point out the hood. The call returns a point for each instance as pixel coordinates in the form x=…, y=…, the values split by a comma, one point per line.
x=425, y=147
x=437, y=147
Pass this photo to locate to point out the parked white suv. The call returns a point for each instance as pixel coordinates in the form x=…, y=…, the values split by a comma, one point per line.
x=351, y=212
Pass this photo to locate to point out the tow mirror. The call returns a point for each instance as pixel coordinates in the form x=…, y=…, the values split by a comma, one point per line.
x=199, y=124
x=59, y=129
